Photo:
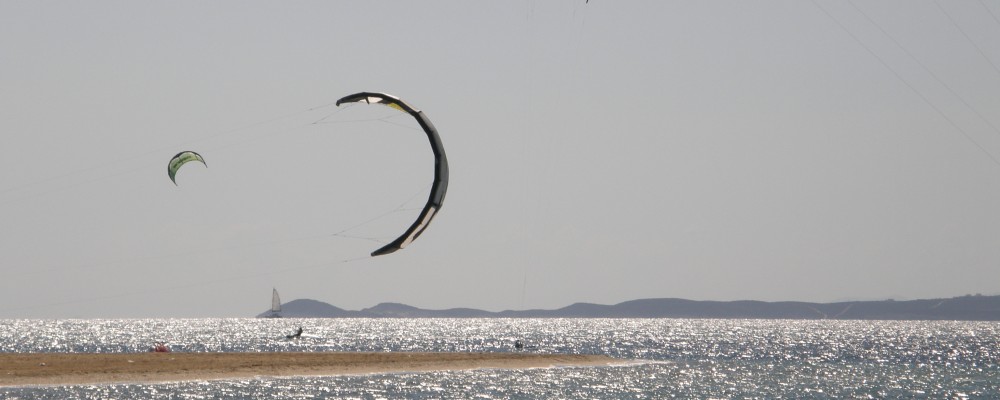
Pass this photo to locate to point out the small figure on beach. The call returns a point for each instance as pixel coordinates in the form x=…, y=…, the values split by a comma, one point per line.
x=295, y=335
x=159, y=347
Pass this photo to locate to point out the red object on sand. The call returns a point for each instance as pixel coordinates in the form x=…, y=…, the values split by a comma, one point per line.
x=160, y=348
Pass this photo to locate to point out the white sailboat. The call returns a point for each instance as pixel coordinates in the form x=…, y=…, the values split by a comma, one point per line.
x=275, y=304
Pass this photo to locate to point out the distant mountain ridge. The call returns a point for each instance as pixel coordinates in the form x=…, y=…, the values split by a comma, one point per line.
x=967, y=308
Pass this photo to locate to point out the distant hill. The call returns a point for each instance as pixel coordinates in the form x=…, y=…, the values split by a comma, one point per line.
x=970, y=308
x=306, y=308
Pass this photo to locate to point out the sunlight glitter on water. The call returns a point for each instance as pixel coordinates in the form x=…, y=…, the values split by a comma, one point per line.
x=663, y=357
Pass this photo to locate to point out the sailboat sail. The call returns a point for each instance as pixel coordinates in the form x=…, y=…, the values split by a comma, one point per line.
x=275, y=301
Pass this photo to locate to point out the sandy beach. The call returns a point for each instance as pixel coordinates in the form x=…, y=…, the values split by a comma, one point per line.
x=75, y=368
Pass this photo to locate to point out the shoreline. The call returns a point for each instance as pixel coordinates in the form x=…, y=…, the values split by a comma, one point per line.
x=30, y=369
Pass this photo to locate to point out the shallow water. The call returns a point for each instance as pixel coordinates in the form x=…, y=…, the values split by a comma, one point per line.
x=673, y=357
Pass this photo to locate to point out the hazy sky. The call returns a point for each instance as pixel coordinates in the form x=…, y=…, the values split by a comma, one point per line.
x=600, y=152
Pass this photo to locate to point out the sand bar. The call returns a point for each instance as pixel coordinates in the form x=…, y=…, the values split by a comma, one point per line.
x=17, y=369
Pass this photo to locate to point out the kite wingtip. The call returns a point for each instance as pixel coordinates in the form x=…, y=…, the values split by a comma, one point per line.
x=385, y=250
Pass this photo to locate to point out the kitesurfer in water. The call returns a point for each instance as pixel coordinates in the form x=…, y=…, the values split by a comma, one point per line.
x=295, y=335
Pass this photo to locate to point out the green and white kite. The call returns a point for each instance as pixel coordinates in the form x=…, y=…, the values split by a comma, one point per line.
x=180, y=159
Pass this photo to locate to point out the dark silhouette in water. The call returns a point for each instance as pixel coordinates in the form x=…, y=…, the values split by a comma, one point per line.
x=519, y=345
x=295, y=335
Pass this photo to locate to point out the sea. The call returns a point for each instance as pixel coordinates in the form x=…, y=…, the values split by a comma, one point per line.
x=659, y=358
